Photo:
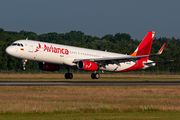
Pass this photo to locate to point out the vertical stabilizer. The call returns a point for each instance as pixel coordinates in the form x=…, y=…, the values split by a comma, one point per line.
x=145, y=46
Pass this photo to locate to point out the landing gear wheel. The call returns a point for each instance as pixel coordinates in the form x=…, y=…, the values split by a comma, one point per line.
x=68, y=75
x=95, y=75
x=23, y=68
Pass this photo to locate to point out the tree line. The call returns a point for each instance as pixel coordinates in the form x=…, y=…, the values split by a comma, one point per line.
x=119, y=43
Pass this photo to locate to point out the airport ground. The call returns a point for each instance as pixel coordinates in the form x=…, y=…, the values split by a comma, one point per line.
x=87, y=77
x=89, y=102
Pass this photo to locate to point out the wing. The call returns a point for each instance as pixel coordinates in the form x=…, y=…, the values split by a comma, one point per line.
x=118, y=60
x=113, y=60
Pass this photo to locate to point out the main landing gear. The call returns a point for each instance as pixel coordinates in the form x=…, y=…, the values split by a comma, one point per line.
x=95, y=75
x=68, y=75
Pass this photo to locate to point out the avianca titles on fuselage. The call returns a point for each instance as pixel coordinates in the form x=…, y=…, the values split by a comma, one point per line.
x=49, y=56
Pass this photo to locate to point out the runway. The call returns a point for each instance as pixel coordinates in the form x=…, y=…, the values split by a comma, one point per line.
x=85, y=83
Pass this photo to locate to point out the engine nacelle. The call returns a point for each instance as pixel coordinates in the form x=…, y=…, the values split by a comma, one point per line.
x=48, y=66
x=87, y=65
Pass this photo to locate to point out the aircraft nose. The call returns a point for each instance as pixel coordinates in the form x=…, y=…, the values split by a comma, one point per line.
x=9, y=50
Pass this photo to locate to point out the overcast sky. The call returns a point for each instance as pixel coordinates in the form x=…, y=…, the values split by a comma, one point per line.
x=93, y=17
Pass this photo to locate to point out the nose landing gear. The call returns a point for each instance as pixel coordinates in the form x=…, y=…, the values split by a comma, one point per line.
x=24, y=63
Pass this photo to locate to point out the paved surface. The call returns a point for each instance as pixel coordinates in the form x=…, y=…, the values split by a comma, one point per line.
x=85, y=83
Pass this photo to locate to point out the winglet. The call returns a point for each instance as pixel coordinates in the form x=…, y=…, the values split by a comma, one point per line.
x=162, y=48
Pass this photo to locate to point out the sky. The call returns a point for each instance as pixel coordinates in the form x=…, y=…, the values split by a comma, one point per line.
x=93, y=17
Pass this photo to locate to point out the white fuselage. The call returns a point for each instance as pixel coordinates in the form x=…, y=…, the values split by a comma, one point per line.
x=63, y=54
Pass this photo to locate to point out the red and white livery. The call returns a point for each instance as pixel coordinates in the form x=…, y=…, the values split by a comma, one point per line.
x=50, y=56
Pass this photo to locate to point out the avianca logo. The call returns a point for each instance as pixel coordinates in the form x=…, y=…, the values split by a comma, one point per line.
x=88, y=66
x=37, y=49
x=53, y=49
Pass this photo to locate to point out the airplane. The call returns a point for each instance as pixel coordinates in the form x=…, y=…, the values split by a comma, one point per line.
x=50, y=56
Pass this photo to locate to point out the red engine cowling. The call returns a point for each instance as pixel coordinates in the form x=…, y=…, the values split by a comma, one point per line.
x=87, y=65
x=48, y=66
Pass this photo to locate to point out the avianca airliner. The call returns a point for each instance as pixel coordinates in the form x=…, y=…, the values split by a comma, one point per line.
x=50, y=56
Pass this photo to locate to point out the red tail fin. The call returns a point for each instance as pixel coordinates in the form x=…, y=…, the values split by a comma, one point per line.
x=145, y=46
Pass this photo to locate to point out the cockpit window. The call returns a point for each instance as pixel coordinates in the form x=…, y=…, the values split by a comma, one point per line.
x=17, y=44
x=14, y=44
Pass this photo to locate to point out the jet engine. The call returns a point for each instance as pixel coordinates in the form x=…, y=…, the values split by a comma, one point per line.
x=87, y=65
x=48, y=66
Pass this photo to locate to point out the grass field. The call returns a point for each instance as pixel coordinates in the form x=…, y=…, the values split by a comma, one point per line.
x=158, y=115
x=88, y=102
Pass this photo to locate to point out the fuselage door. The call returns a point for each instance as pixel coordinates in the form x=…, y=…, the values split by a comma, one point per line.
x=30, y=47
